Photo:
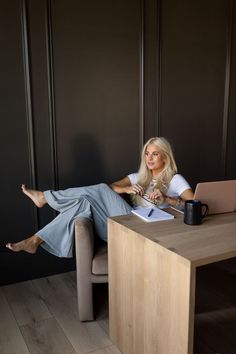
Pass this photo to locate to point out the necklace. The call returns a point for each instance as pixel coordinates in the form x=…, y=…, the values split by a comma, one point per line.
x=153, y=182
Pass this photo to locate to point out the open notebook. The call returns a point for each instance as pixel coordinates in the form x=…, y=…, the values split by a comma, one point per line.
x=154, y=213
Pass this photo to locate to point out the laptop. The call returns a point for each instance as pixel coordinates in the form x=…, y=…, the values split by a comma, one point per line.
x=220, y=196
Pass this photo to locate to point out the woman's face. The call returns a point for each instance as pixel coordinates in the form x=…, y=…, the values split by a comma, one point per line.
x=155, y=159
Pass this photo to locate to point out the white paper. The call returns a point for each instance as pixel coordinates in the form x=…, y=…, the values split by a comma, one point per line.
x=157, y=214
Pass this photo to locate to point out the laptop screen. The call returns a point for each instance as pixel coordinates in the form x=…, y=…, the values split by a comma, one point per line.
x=220, y=196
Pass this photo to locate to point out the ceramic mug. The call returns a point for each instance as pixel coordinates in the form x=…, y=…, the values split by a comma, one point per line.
x=194, y=212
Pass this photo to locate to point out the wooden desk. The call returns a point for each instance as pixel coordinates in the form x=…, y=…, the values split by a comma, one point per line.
x=152, y=275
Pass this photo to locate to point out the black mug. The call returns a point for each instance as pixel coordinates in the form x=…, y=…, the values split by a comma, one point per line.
x=193, y=212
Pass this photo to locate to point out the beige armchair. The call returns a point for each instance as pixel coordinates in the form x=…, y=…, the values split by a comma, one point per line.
x=91, y=265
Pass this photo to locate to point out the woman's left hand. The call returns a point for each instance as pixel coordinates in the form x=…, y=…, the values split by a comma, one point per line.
x=157, y=196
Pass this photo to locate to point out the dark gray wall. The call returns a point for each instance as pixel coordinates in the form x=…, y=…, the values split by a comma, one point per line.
x=84, y=83
x=194, y=85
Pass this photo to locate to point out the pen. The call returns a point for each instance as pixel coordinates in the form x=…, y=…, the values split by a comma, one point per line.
x=150, y=212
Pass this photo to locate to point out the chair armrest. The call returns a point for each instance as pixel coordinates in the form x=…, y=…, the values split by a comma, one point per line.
x=84, y=247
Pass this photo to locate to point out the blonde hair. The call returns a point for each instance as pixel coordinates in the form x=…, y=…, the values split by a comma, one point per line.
x=165, y=176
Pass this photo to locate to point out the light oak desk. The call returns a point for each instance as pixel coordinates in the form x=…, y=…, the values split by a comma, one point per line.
x=152, y=276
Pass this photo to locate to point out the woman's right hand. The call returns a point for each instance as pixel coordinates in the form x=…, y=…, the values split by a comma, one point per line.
x=135, y=189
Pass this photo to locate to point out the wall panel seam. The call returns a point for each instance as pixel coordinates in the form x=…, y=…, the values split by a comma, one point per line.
x=51, y=95
x=158, y=56
x=141, y=76
x=227, y=86
x=28, y=98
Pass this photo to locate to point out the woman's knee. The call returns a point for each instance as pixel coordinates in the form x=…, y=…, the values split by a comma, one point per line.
x=104, y=186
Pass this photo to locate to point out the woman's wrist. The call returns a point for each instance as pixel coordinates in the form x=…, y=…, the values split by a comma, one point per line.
x=174, y=201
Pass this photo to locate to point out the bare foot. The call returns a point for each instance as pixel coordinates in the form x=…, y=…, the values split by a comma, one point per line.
x=30, y=245
x=36, y=196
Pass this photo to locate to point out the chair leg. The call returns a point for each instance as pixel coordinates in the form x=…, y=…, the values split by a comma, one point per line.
x=85, y=301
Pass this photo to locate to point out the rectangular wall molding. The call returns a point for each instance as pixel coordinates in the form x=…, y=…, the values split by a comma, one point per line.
x=28, y=98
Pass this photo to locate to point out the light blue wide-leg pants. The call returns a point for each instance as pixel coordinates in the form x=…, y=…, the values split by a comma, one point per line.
x=97, y=202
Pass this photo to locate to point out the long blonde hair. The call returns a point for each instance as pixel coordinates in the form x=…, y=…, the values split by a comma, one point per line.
x=165, y=176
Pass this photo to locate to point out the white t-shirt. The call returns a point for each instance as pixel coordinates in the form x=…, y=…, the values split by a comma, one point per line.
x=177, y=186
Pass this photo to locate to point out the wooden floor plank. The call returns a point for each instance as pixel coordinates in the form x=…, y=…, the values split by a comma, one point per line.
x=26, y=303
x=215, y=319
x=62, y=303
x=11, y=340
x=217, y=330
x=104, y=324
x=46, y=336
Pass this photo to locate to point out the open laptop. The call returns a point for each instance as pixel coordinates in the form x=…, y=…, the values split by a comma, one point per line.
x=220, y=196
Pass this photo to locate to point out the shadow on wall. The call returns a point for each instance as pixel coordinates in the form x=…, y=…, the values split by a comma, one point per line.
x=86, y=160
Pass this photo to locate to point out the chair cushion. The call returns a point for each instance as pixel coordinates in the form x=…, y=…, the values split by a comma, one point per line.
x=100, y=261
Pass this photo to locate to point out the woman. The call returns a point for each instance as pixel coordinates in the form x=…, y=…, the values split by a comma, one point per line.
x=156, y=182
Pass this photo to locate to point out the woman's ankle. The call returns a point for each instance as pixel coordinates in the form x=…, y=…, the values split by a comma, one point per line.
x=36, y=240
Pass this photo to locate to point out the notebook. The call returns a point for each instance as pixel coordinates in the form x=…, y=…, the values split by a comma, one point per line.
x=220, y=196
x=152, y=214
